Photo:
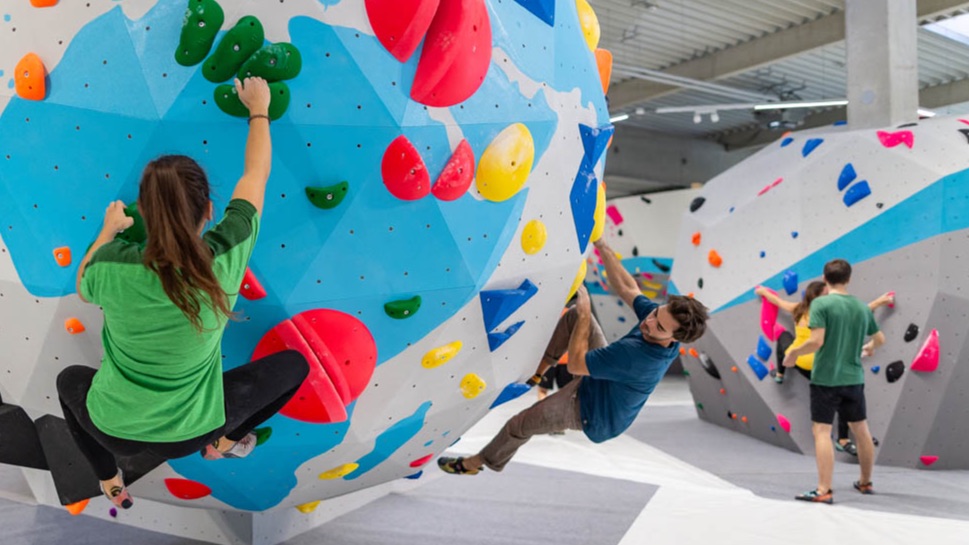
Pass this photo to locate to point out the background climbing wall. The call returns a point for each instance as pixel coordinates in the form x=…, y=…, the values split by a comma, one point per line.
x=426, y=204
x=892, y=202
x=641, y=229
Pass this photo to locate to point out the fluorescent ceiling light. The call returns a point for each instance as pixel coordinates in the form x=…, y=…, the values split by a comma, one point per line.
x=954, y=28
x=618, y=118
x=926, y=113
x=790, y=105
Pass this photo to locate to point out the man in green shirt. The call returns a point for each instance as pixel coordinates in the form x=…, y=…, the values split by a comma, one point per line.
x=839, y=325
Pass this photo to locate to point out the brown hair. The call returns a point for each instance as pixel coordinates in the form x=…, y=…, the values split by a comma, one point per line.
x=837, y=271
x=173, y=200
x=690, y=314
x=811, y=292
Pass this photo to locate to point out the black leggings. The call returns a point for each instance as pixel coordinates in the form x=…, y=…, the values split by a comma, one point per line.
x=253, y=393
x=784, y=341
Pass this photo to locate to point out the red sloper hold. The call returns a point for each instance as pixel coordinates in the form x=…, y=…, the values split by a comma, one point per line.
x=400, y=25
x=927, y=360
x=456, y=54
x=351, y=343
x=325, y=356
x=186, y=489
x=251, y=288
x=457, y=175
x=404, y=171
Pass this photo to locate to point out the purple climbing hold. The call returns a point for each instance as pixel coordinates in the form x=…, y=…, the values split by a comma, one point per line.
x=856, y=192
x=810, y=146
x=847, y=176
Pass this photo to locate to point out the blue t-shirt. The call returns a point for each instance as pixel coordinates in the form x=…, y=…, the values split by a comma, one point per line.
x=621, y=377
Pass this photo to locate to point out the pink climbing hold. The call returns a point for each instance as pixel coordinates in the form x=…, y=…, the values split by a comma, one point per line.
x=928, y=460
x=251, y=288
x=400, y=25
x=892, y=295
x=422, y=460
x=927, y=360
x=784, y=423
x=456, y=54
x=458, y=173
x=404, y=172
x=966, y=121
x=768, y=318
x=186, y=489
x=768, y=187
x=614, y=214
x=892, y=139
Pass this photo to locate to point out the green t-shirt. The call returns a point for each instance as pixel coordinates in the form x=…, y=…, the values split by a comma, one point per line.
x=846, y=322
x=160, y=379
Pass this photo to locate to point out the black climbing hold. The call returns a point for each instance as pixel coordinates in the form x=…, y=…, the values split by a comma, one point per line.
x=697, y=203
x=646, y=200
x=19, y=443
x=404, y=308
x=328, y=197
x=730, y=415
x=699, y=283
x=911, y=333
x=879, y=204
x=635, y=251
x=894, y=371
x=619, y=233
x=907, y=125
x=965, y=132
x=661, y=266
x=708, y=366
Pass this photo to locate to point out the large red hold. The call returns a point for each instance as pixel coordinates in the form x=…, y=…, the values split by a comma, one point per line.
x=400, y=25
x=458, y=173
x=404, y=171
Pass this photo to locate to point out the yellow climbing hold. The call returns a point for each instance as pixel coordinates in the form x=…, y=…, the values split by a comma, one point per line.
x=589, y=23
x=533, y=237
x=339, y=471
x=506, y=163
x=441, y=355
x=472, y=385
x=579, y=278
x=307, y=508
x=599, y=215
x=650, y=294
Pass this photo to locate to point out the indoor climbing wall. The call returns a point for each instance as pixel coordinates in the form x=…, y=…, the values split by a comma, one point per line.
x=435, y=188
x=641, y=230
x=893, y=203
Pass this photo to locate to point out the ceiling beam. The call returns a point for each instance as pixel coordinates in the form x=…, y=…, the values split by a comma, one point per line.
x=760, y=52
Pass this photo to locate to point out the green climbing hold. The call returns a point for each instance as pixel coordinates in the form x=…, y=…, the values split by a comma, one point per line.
x=136, y=233
x=273, y=62
x=203, y=19
x=238, y=44
x=279, y=99
x=405, y=308
x=328, y=197
x=686, y=373
x=699, y=406
x=228, y=101
x=262, y=435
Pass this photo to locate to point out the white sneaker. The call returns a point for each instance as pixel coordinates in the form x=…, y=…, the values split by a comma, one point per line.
x=242, y=448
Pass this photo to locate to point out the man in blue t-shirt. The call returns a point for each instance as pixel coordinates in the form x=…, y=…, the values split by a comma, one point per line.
x=612, y=381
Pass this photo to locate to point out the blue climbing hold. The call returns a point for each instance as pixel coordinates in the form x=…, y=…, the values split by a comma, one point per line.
x=583, y=200
x=543, y=9
x=594, y=141
x=856, y=192
x=759, y=369
x=498, y=305
x=848, y=175
x=497, y=339
x=763, y=349
x=875, y=369
x=793, y=234
x=415, y=476
x=763, y=254
x=790, y=282
x=512, y=391
x=786, y=142
x=839, y=123
x=810, y=146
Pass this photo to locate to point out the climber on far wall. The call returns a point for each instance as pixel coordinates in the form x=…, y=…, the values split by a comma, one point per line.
x=839, y=325
x=612, y=381
x=160, y=388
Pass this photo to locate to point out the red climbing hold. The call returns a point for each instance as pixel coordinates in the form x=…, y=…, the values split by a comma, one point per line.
x=458, y=173
x=404, y=172
x=928, y=460
x=456, y=54
x=422, y=460
x=892, y=139
x=251, y=288
x=927, y=360
x=186, y=489
x=400, y=25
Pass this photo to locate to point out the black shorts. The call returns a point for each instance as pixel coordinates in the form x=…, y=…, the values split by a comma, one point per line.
x=847, y=401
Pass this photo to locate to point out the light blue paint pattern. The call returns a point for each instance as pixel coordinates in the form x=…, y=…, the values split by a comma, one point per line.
x=6, y=17
x=390, y=440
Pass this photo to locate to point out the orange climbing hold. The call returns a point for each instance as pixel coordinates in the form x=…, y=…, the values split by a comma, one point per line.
x=694, y=353
x=73, y=326
x=696, y=238
x=743, y=419
x=604, y=61
x=77, y=508
x=63, y=256
x=733, y=368
x=43, y=3
x=30, y=78
x=714, y=258
x=682, y=351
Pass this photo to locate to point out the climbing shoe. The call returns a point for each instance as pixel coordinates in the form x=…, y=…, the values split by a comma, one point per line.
x=455, y=466
x=850, y=447
x=118, y=495
x=864, y=488
x=779, y=378
x=816, y=497
x=241, y=449
x=534, y=381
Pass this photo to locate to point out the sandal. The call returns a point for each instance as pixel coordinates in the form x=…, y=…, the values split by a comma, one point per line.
x=816, y=497
x=455, y=466
x=118, y=495
x=864, y=488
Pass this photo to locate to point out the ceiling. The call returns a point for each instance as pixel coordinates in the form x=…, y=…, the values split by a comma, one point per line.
x=751, y=51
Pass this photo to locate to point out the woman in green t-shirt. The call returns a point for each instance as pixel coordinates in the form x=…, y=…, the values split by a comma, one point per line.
x=160, y=389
